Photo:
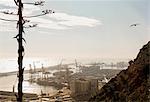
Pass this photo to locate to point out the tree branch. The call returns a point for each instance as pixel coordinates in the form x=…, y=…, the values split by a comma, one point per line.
x=16, y=2
x=31, y=26
x=7, y=12
x=8, y=20
x=44, y=13
x=36, y=3
x=34, y=16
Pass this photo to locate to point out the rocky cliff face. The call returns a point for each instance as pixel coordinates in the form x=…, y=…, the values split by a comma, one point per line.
x=130, y=85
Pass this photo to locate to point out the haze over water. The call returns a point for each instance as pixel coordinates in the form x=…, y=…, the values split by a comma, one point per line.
x=10, y=64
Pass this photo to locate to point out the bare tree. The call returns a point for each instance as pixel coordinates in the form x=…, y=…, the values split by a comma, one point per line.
x=20, y=25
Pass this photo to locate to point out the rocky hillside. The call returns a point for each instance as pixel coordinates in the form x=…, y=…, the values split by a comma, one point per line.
x=130, y=85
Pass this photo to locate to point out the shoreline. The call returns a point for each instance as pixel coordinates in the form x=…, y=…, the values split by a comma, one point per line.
x=27, y=70
x=7, y=95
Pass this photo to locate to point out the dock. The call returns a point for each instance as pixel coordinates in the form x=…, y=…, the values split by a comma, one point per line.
x=11, y=96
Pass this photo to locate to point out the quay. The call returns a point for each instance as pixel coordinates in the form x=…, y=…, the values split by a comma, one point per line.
x=7, y=95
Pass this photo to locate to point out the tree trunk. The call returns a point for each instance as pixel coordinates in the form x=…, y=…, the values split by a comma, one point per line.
x=20, y=53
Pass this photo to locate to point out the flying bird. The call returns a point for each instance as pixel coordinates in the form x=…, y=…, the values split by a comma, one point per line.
x=133, y=25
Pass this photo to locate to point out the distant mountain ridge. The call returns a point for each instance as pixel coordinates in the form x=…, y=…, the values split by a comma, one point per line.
x=130, y=85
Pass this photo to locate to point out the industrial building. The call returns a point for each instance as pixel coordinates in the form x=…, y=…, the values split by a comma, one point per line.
x=83, y=87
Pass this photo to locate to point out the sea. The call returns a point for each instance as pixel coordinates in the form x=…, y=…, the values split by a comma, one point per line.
x=10, y=64
x=7, y=83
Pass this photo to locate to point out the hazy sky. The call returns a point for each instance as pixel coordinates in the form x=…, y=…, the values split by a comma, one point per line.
x=80, y=28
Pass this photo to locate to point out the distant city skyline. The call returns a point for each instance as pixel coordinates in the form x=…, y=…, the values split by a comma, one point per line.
x=79, y=29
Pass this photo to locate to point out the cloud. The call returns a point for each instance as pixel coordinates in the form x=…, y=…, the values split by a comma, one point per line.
x=9, y=3
x=65, y=21
x=58, y=21
x=71, y=20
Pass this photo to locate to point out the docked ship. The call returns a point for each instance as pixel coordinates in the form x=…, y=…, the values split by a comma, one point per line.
x=47, y=82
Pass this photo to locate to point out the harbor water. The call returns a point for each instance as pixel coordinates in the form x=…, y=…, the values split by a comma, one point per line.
x=8, y=65
x=7, y=83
